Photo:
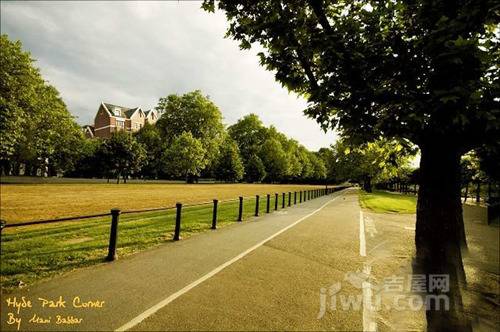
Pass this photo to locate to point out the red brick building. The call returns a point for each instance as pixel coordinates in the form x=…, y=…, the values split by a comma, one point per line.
x=112, y=118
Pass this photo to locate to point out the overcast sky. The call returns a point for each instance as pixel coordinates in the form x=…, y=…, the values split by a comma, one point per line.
x=131, y=54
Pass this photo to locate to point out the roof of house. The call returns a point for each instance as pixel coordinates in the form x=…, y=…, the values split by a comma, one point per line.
x=88, y=129
x=125, y=112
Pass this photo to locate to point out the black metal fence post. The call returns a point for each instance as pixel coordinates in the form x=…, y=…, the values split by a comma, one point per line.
x=240, y=210
x=268, y=203
x=2, y=226
x=300, y=196
x=275, y=201
x=214, y=215
x=283, y=201
x=177, y=231
x=294, y=198
x=257, y=205
x=289, y=198
x=113, y=235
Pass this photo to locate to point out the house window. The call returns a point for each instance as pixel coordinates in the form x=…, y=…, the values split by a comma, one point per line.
x=120, y=124
x=117, y=112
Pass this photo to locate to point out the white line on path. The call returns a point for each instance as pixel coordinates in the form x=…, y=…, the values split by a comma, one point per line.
x=362, y=240
x=136, y=320
x=368, y=323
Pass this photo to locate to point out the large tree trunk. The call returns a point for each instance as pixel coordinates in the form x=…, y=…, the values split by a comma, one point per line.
x=478, y=192
x=367, y=184
x=440, y=233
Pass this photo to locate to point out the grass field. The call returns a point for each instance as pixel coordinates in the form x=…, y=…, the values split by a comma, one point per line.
x=384, y=202
x=21, y=202
x=33, y=253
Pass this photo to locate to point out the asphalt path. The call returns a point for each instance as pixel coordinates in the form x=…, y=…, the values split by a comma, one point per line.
x=279, y=286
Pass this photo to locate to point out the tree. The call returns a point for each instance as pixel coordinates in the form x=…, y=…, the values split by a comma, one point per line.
x=36, y=128
x=17, y=93
x=193, y=113
x=305, y=161
x=249, y=133
x=122, y=155
x=319, y=169
x=88, y=165
x=274, y=159
x=329, y=159
x=372, y=162
x=185, y=157
x=291, y=148
x=469, y=169
x=229, y=166
x=422, y=70
x=150, y=138
x=489, y=159
x=255, y=170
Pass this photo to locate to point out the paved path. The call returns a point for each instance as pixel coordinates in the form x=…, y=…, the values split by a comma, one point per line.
x=132, y=285
x=278, y=286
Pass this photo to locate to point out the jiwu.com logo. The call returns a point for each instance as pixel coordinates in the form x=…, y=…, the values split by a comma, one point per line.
x=413, y=292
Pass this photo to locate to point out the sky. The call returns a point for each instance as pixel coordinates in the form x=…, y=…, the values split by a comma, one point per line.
x=131, y=54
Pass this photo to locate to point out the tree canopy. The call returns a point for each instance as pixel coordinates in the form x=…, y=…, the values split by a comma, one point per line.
x=249, y=133
x=150, y=138
x=36, y=128
x=193, y=113
x=416, y=70
x=121, y=155
x=229, y=166
x=376, y=161
x=185, y=156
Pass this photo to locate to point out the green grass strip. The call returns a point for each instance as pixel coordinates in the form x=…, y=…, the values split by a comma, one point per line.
x=386, y=202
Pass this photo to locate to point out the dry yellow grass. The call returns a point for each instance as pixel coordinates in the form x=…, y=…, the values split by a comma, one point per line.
x=21, y=202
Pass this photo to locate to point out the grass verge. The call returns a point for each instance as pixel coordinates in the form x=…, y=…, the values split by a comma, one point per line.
x=386, y=202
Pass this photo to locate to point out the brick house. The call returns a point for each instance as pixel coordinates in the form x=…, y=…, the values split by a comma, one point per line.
x=88, y=131
x=152, y=116
x=112, y=118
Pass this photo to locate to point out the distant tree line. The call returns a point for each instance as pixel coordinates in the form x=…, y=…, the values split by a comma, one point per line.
x=189, y=141
x=40, y=137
